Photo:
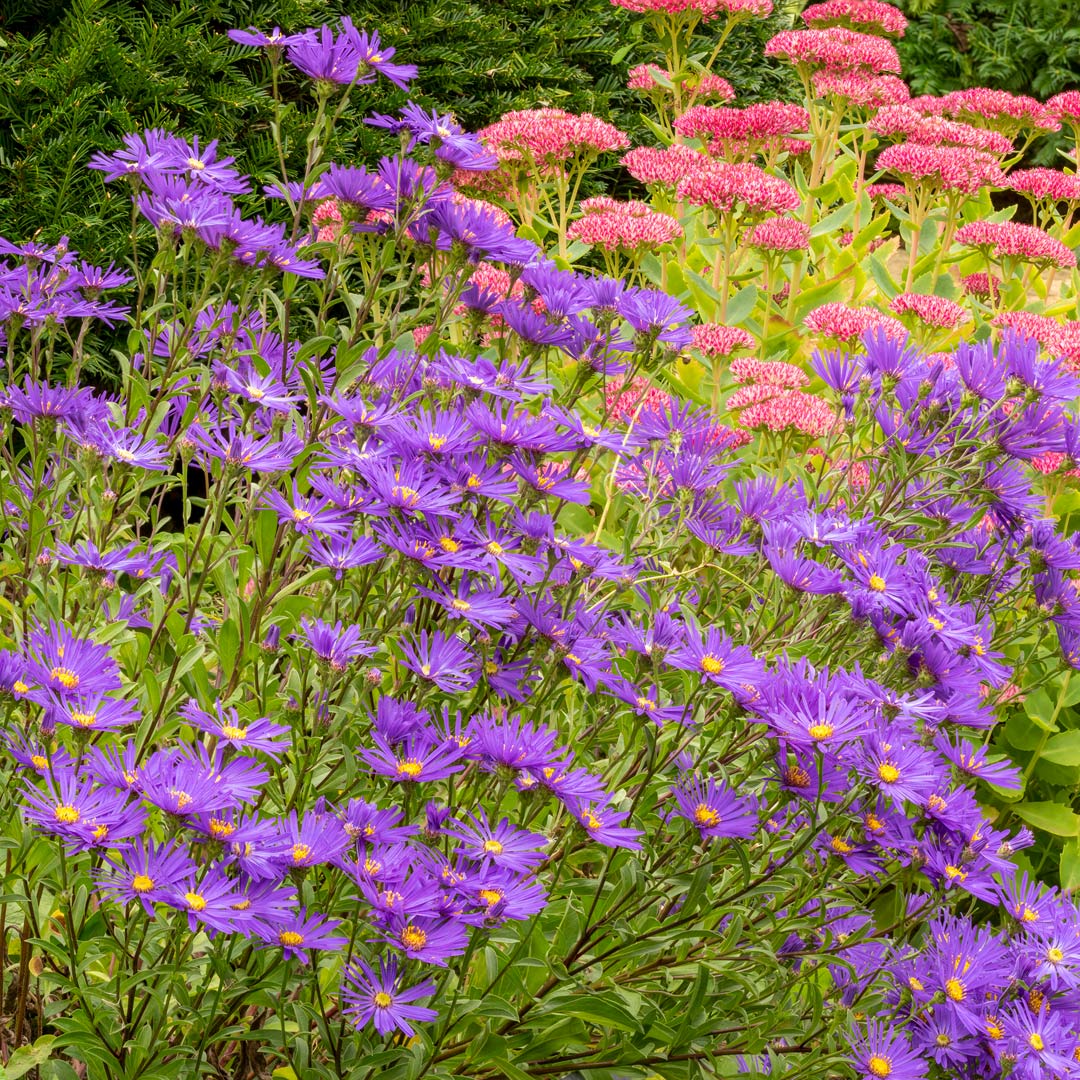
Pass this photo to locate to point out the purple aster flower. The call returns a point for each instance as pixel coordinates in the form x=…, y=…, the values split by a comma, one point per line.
x=340, y=553
x=410, y=486
x=478, y=607
x=501, y=845
x=416, y=760
x=312, y=840
x=259, y=39
x=95, y=712
x=815, y=718
x=550, y=479
x=37, y=400
x=1043, y=1042
x=714, y=809
x=378, y=57
x=226, y=725
x=69, y=666
x=335, y=645
x=440, y=658
x=298, y=934
x=720, y=661
x=211, y=901
x=431, y=941
x=511, y=743
x=450, y=142
x=75, y=809
x=880, y=1053
x=382, y=1000
x=143, y=155
x=309, y=514
x=657, y=317
x=145, y=873
x=501, y=894
x=895, y=769
x=240, y=450
x=266, y=391
x=326, y=57
x=604, y=825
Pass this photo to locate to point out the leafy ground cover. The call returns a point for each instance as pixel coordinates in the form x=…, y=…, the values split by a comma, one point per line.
x=498, y=629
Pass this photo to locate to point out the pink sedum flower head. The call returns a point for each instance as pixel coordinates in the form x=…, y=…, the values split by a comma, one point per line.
x=780, y=234
x=791, y=410
x=663, y=166
x=860, y=89
x=550, y=136
x=717, y=340
x=1008, y=113
x=868, y=16
x=616, y=226
x=740, y=133
x=837, y=49
x=903, y=121
x=774, y=373
x=951, y=168
x=1052, y=185
x=930, y=310
x=726, y=188
x=1000, y=240
x=846, y=323
x=648, y=77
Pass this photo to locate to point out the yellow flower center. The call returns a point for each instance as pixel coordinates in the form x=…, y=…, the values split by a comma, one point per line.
x=888, y=773
x=383, y=1000
x=142, y=883
x=954, y=873
x=100, y=832
x=196, y=164
x=412, y=937
x=195, y=901
x=410, y=768
x=712, y=665
x=915, y=984
x=20, y=687
x=954, y=989
x=39, y=761
x=706, y=815
x=942, y=1039
x=490, y=896
x=449, y=544
x=936, y=802
x=460, y=605
x=873, y=823
x=436, y=442
x=65, y=677
x=66, y=814
x=290, y=937
x=493, y=847
x=879, y=1066
x=241, y=905
x=841, y=847
x=300, y=515
x=1035, y=1041
x=183, y=799
x=409, y=496
x=817, y=732
x=494, y=548
x=877, y=583
x=372, y=866
x=231, y=731
x=796, y=776
x=221, y=829
x=300, y=852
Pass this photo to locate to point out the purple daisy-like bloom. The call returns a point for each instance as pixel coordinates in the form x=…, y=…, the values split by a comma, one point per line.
x=312, y=840
x=719, y=660
x=69, y=666
x=442, y=659
x=260, y=39
x=1043, y=1042
x=416, y=760
x=309, y=514
x=501, y=894
x=481, y=608
x=145, y=874
x=95, y=712
x=236, y=448
x=818, y=719
x=378, y=57
x=34, y=400
x=896, y=769
x=335, y=645
x=212, y=902
x=880, y=1053
x=326, y=57
x=340, y=553
x=502, y=845
x=299, y=933
x=511, y=743
x=226, y=725
x=604, y=825
x=432, y=941
x=714, y=809
x=657, y=316
x=72, y=807
x=382, y=1000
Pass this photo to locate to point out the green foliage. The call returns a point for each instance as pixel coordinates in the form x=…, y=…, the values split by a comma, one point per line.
x=1023, y=46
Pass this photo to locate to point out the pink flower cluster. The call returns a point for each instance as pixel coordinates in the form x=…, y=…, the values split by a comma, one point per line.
x=886, y=191
x=1065, y=106
x=746, y=369
x=1052, y=184
x=791, y=409
x=860, y=89
x=717, y=340
x=931, y=310
x=665, y=166
x=845, y=323
x=623, y=226
x=1007, y=239
x=733, y=132
x=916, y=127
x=723, y=187
x=327, y=220
x=1041, y=328
x=625, y=400
x=871, y=16
x=550, y=136
x=951, y=168
x=643, y=77
x=707, y=9
x=980, y=284
x=837, y=49
x=780, y=234
x=1008, y=112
